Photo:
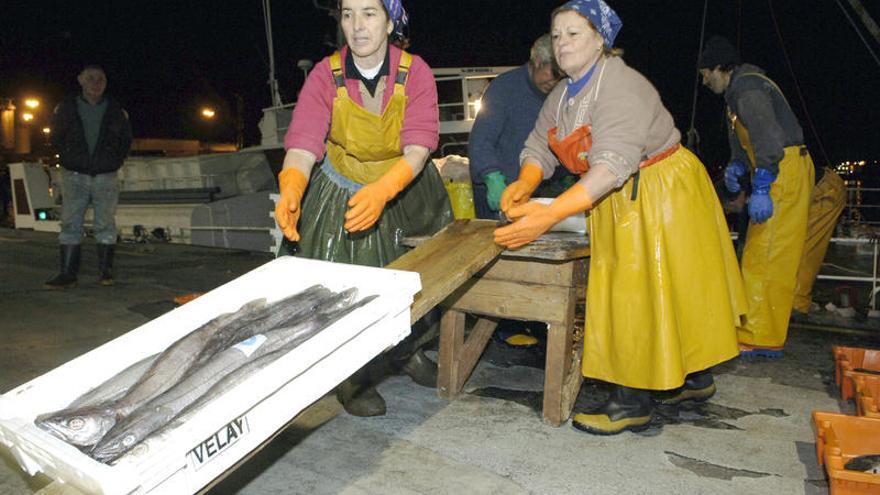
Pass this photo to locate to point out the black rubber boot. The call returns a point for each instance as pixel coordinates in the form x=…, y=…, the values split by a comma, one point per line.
x=359, y=397
x=70, y=254
x=698, y=387
x=627, y=409
x=105, y=263
x=422, y=370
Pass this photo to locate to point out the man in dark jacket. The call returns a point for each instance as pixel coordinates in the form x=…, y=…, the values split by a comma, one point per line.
x=93, y=136
x=509, y=109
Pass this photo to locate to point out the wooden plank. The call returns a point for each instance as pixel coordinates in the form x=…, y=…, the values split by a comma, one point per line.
x=558, y=246
x=559, y=273
x=451, y=343
x=448, y=260
x=513, y=300
x=473, y=349
x=558, y=364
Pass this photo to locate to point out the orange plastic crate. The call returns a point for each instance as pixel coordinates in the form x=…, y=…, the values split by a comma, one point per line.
x=846, y=360
x=867, y=395
x=840, y=438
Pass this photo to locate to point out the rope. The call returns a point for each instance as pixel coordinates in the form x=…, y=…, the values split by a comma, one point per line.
x=692, y=134
x=856, y=29
x=797, y=85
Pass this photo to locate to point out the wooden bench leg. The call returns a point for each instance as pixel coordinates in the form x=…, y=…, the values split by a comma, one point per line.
x=458, y=357
x=560, y=375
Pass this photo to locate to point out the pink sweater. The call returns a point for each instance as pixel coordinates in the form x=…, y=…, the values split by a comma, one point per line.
x=310, y=125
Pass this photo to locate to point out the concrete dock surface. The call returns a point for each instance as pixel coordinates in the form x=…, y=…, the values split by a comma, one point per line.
x=754, y=436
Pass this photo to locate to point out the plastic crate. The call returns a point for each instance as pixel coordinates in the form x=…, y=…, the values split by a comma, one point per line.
x=846, y=360
x=184, y=459
x=840, y=438
x=868, y=396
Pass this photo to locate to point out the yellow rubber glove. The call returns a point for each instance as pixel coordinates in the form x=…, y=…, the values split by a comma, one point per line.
x=367, y=204
x=292, y=184
x=520, y=190
x=533, y=219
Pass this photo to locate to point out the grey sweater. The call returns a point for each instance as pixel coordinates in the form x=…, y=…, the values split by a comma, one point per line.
x=629, y=121
x=765, y=113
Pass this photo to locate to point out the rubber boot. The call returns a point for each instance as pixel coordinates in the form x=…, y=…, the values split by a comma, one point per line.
x=627, y=409
x=359, y=397
x=422, y=370
x=698, y=387
x=70, y=254
x=105, y=263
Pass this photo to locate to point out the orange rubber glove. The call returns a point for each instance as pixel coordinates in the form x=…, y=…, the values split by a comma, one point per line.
x=533, y=219
x=520, y=190
x=292, y=184
x=367, y=204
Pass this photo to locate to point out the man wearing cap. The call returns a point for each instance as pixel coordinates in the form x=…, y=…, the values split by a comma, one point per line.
x=767, y=144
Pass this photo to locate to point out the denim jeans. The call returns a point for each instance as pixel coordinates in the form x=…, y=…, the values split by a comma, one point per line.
x=78, y=192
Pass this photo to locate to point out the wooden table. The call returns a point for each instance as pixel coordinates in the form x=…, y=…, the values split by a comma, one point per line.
x=464, y=271
x=539, y=283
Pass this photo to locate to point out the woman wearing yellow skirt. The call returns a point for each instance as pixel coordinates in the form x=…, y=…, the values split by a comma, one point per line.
x=664, y=295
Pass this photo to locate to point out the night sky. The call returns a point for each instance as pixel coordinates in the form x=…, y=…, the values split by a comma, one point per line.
x=165, y=59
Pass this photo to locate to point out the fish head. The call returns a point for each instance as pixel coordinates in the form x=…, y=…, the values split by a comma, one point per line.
x=129, y=432
x=111, y=448
x=84, y=428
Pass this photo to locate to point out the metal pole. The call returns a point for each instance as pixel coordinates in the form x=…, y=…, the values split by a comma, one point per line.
x=273, y=83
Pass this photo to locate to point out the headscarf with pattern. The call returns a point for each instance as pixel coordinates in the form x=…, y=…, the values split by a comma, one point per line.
x=398, y=17
x=605, y=20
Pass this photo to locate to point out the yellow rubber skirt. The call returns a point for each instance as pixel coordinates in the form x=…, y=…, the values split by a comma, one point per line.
x=664, y=295
x=773, y=253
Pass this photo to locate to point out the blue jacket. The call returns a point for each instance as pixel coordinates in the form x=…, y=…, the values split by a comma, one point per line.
x=509, y=109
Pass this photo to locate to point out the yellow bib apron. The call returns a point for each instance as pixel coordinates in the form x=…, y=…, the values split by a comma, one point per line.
x=773, y=249
x=362, y=145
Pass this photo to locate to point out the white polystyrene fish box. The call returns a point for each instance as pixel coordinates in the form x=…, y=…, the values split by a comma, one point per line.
x=186, y=458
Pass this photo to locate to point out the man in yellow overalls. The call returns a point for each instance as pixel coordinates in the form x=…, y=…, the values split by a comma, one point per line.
x=767, y=141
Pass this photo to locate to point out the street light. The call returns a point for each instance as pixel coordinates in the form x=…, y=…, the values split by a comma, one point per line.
x=47, y=130
x=27, y=116
x=208, y=113
x=32, y=103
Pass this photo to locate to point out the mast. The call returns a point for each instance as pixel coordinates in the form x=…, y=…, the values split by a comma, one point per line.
x=273, y=82
x=867, y=20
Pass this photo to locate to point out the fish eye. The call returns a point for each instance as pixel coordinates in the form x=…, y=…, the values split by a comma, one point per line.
x=128, y=440
x=76, y=423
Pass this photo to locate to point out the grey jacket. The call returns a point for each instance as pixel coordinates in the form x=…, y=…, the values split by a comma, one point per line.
x=765, y=113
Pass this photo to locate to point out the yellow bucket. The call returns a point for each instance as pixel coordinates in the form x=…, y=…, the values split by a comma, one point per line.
x=461, y=195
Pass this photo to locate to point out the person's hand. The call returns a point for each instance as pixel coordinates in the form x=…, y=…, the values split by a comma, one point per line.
x=495, y=183
x=292, y=184
x=520, y=190
x=533, y=219
x=366, y=205
x=760, y=204
x=732, y=173
x=760, y=208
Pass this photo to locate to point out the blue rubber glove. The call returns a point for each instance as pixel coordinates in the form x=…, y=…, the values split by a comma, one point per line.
x=732, y=174
x=760, y=205
x=495, y=183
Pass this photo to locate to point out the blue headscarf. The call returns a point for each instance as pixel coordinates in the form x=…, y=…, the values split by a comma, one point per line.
x=600, y=14
x=398, y=16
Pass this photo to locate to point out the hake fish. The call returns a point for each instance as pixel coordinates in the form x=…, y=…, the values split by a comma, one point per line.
x=163, y=409
x=85, y=425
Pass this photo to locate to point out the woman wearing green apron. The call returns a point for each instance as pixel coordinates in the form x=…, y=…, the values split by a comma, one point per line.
x=355, y=179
